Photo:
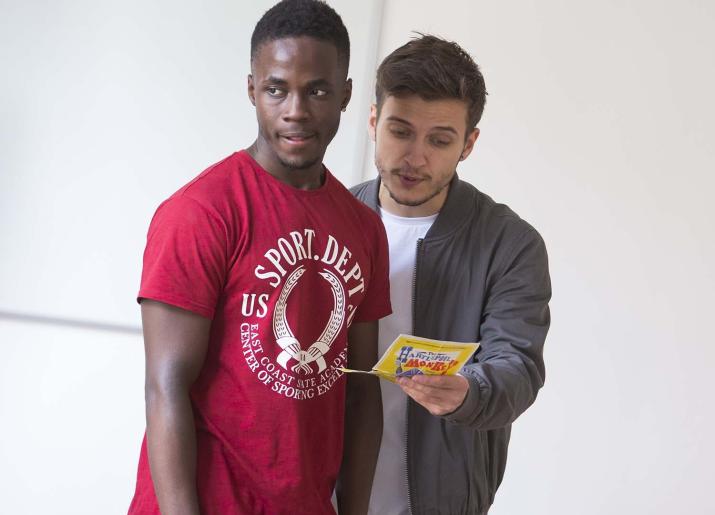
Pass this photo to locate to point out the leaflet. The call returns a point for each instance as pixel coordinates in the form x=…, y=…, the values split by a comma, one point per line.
x=412, y=355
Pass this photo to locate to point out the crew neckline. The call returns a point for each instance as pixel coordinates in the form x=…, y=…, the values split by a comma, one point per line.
x=407, y=220
x=327, y=184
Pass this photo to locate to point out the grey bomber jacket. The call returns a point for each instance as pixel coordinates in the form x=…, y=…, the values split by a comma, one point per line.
x=481, y=274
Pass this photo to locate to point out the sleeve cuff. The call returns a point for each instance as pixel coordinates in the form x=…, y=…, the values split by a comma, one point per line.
x=194, y=307
x=472, y=404
x=375, y=315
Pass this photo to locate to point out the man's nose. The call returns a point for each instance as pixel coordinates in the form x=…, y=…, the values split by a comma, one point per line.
x=416, y=156
x=296, y=108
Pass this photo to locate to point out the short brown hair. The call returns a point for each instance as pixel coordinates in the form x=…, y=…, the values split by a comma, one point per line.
x=433, y=69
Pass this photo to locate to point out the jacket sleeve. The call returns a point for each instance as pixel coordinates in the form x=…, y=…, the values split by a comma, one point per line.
x=509, y=367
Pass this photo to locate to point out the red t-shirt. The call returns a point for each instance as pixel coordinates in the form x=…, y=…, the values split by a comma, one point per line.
x=282, y=273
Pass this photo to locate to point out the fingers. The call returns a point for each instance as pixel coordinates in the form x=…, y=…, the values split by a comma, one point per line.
x=441, y=382
x=430, y=403
x=438, y=394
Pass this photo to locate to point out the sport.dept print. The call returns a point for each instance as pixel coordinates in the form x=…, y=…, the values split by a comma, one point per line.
x=300, y=369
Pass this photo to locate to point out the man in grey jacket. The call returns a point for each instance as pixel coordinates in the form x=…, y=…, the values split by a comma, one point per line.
x=462, y=268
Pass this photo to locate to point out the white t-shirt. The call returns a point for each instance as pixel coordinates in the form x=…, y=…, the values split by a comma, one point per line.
x=389, y=491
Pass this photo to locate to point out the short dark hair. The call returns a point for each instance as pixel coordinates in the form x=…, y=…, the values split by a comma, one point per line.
x=296, y=18
x=433, y=69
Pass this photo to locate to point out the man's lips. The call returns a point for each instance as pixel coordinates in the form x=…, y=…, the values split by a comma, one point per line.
x=409, y=178
x=297, y=137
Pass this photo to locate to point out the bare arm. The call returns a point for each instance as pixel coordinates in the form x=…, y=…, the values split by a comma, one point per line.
x=363, y=422
x=175, y=342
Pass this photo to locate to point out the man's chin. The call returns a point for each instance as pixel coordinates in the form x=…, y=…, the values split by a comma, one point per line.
x=413, y=198
x=299, y=163
x=408, y=202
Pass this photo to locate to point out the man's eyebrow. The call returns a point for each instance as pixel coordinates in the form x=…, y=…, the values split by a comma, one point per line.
x=446, y=128
x=274, y=80
x=318, y=82
x=393, y=118
x=315, y=83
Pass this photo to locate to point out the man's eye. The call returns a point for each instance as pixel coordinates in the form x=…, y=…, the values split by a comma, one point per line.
x=399, y=133
x=318, y=92
x=273, y=91
x=441, y=142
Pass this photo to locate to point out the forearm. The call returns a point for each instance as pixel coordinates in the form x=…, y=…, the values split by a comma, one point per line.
x=363, y=434
x=171, y=444
x=510, y=369
x=499, y=392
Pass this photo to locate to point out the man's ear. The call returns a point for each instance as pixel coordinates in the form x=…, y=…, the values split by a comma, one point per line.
x=372, y=122
x=347, y=95
x=469, y=144
x=251, y=90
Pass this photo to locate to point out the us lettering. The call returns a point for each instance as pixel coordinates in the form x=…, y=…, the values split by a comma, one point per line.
x=248, y=307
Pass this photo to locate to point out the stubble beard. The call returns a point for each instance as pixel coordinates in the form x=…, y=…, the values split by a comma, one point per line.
x=402, y=201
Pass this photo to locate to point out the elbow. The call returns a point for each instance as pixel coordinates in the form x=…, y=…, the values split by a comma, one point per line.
x=164, y=391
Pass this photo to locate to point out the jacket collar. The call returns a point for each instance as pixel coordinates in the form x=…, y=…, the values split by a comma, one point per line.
x=461, y=201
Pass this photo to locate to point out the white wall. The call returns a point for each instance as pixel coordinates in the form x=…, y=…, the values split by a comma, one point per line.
x=598, y=129
x=106, y=108
x=72, y=419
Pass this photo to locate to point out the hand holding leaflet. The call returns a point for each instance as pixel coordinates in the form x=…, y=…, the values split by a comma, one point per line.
x=409, y=356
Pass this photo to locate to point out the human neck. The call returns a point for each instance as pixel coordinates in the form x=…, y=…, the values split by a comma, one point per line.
x=309, y=178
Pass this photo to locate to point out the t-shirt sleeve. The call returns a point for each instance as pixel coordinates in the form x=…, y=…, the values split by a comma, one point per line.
x=185, y=257
x=376, y=302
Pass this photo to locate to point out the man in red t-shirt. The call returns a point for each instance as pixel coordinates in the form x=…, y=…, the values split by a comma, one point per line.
x=262, y=278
